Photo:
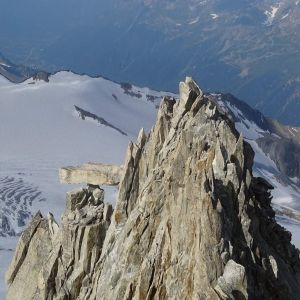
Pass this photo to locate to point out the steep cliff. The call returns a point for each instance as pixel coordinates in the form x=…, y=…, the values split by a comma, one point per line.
x=191, y=222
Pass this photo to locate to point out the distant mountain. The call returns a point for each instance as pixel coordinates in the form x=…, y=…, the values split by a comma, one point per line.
x=15, y=73
x=250, y=48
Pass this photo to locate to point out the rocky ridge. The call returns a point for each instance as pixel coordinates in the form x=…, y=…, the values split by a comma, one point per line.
x=191, y=222
x=19, y=73
x=280, y=142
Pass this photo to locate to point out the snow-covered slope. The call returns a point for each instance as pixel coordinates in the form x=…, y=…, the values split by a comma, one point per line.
x=74, y=119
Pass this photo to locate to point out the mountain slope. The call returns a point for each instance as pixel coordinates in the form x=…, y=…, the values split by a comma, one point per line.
x=277, y=146
x=250, y=46
x=73, y=119
x=190, y=222
x=17, y=73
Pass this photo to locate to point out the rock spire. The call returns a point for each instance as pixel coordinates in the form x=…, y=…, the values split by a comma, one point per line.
x=191, y=222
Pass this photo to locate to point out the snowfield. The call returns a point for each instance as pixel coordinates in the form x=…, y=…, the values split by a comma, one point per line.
x=74, y=119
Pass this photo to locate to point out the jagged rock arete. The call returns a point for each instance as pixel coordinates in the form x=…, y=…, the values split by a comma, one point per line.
x=191, y=222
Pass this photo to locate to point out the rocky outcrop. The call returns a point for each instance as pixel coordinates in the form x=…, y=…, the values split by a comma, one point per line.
x=191, y=222
x=41, y=75
x=51, y=261
x=97, y=174
x=84, y=115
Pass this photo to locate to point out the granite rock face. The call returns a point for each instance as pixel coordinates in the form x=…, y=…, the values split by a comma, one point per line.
x=191, y=222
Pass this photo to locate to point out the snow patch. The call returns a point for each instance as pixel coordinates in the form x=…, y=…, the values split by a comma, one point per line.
x=194, y=21
x=249, y=129
x=291, y=132
x=4, y=65
x=271, y=14
x=244, y=73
